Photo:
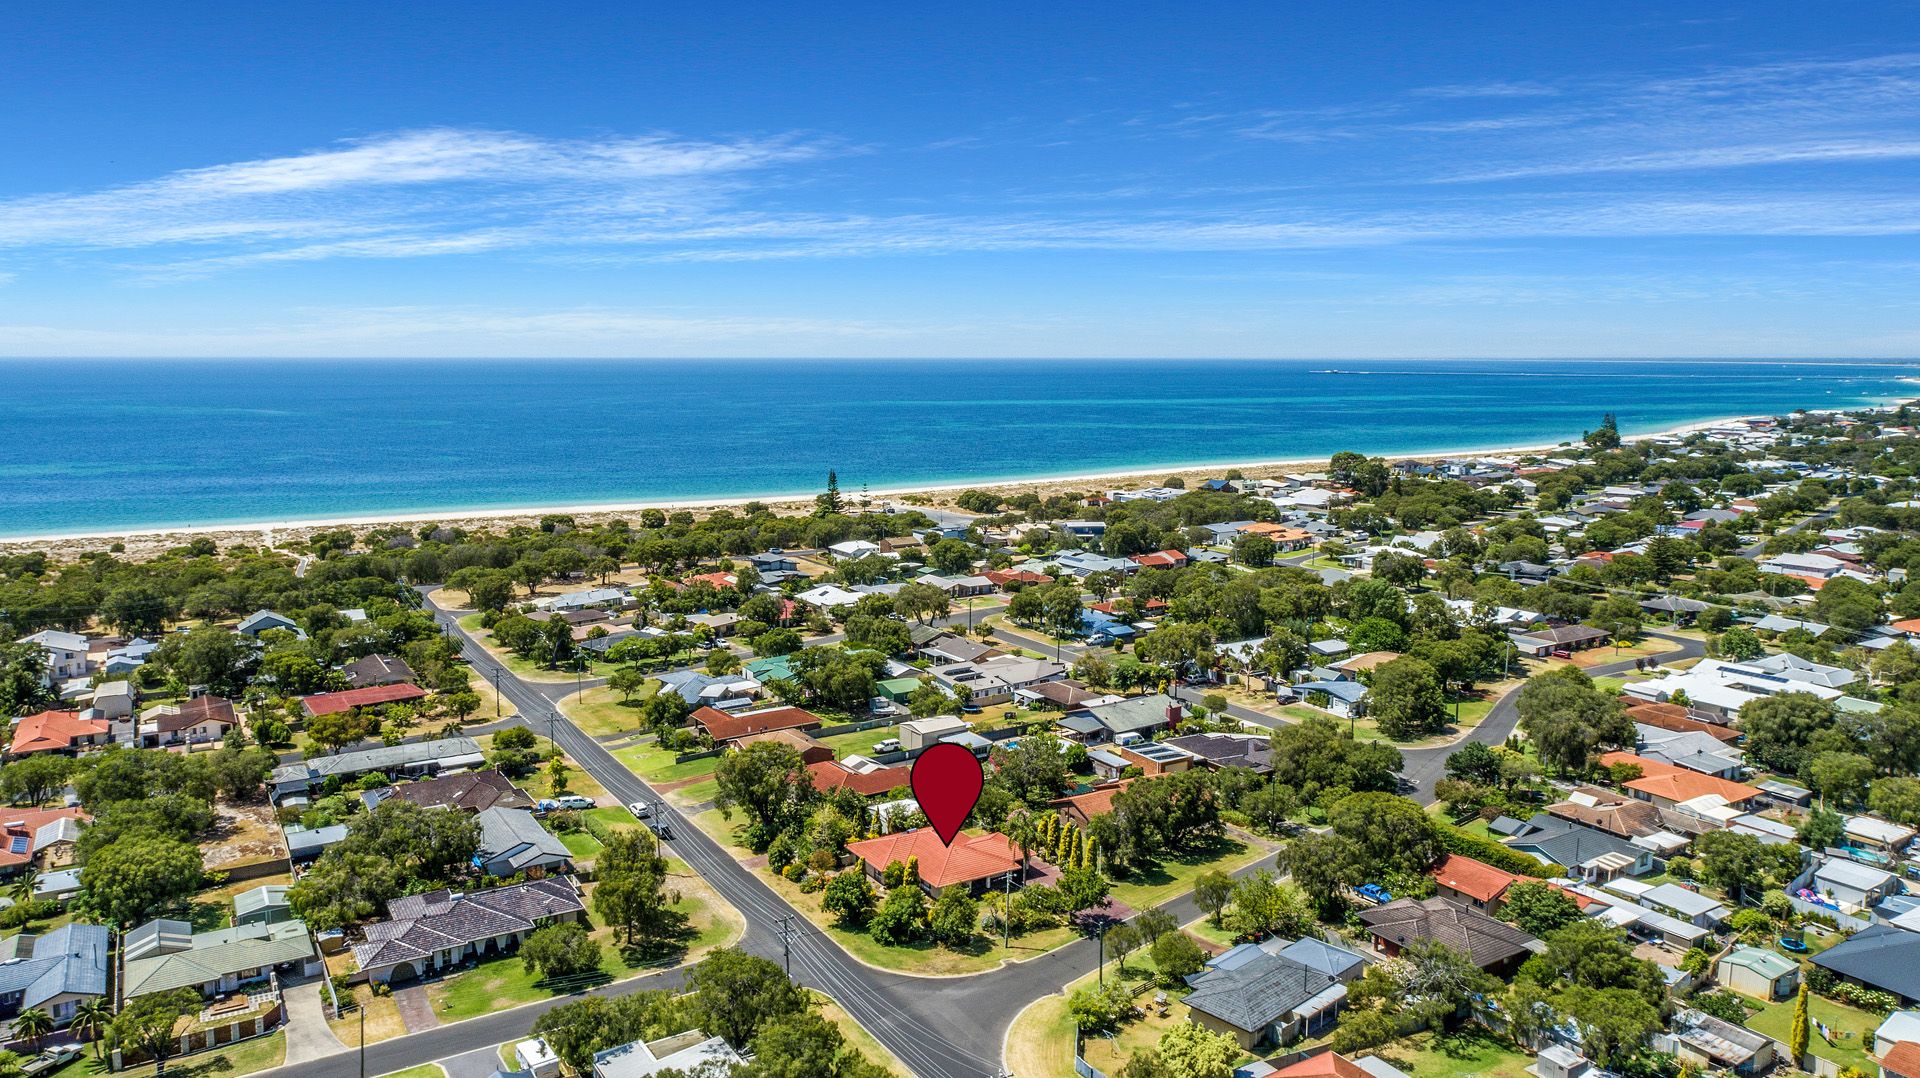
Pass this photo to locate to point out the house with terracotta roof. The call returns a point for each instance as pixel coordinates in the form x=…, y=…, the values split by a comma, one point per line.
x=975, y=862
x=42, y=839
x=1902, y=1061
x=726, y=728
x=1160, y=559
x=199, y=721
x=1604, y=810
x=1473, y=883
x=1667, y=785
x=1679, y=719
x=810, y=749
x=1015, y=579
x=69, y=732
x=1080, y=809
x=332, y=703
x=859, y=774
x=1324, y=1062
x=1283, y=537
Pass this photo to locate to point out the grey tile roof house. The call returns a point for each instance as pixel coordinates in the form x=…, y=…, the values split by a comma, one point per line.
x=1269, y=999
x=443, y=928
x=1490, y=944
x=1228, y=750
x=1561, y=842
x=512, y=841
x=1134, y=715
x=377, y=670
x=1879, y=956
x=53, y=972
x=473, y=791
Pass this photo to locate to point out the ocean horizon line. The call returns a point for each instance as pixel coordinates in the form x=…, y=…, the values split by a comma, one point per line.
x=226, y=445
x=730, y=500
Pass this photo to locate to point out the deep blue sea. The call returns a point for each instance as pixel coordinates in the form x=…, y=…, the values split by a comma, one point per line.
x=97, y=445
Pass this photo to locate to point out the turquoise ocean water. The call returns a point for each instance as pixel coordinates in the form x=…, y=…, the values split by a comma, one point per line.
x=88, y=445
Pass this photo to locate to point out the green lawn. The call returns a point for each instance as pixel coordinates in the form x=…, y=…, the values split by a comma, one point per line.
x=926, y=959
x=506, y=982
x=704, y=790
x=1040, y=1041
x=424, y=1070
x=582, y=846
x=526, y=669
x=246, y=1057
x=1173, y=876
x=1470, y=1053
x=860, y=742
x=655, y=764
x=1205, y=929
x=1852, y=1030
x=601, y=712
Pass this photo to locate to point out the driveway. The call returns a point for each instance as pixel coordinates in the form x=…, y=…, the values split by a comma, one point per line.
x=308, y=1035
x=416, y=1009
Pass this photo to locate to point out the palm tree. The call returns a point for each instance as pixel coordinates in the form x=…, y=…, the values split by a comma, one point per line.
x=1022, y=830
x=33, y=1024
x=21, y=890
x=90, y=1019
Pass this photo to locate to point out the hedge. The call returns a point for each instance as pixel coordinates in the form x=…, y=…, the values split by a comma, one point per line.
x=1493, y=853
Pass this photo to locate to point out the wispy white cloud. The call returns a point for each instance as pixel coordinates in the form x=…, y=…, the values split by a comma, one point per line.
x=384, y=185
x=1490, y=89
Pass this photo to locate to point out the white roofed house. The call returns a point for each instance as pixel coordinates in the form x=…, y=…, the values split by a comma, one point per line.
x=994, y=680
x=65, y=653
x=1818, y=566
x=828, y=596
x=1853, y=885
x=1719, y=689
x=1873, y=833
x=692, y=1052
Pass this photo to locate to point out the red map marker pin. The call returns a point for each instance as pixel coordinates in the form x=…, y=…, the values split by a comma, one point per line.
x=947, y=781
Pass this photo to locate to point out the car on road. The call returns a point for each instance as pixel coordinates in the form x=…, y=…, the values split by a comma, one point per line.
x=640, y=809
x=891, y=744
x=575, y=801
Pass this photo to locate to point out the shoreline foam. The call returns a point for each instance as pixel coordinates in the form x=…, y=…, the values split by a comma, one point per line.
x=160, y=533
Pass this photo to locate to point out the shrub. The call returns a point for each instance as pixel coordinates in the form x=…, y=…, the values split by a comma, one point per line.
x=1492, y=853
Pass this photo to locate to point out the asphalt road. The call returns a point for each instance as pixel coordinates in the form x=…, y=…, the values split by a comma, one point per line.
x=940, y=1027
x=1424, y=767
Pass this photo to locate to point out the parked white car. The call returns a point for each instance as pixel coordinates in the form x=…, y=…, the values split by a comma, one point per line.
x=575, y=801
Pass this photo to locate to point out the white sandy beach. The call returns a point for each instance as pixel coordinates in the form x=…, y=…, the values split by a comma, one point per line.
x=142, y=541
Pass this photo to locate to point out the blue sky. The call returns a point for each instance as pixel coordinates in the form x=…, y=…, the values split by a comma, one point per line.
x=1114, y=179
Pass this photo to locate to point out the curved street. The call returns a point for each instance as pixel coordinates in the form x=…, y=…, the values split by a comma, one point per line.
x=940, y=1027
